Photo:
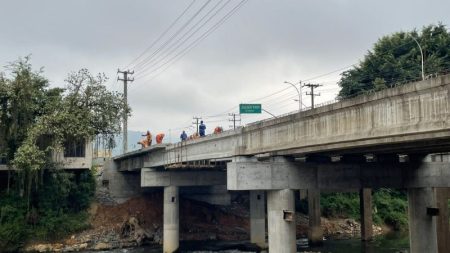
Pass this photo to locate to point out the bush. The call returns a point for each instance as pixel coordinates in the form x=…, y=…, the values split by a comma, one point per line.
x=13, y=227
x=54, y=225
x=56, y=209
x=340, y=205
x=391, y=208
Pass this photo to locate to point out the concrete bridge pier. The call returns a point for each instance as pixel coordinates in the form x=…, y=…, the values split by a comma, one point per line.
x=365, y=205
x=258, y=218
x=422, y=223
x=315, y=232
x=281, y=221
x=171, y=226
x=443, y=230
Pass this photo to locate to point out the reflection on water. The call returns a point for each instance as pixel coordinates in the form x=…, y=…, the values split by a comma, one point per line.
x=391, y=243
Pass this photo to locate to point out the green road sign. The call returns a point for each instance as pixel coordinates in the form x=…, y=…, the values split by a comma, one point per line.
x=249, y=108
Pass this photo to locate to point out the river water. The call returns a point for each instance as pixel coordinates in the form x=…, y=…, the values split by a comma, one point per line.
x=391, y=243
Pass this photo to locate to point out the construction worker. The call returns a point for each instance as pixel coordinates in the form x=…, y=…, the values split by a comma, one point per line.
x=201, y=129
x=159, y=138
x=183, y=136
x=218, y=130
x=147, y=141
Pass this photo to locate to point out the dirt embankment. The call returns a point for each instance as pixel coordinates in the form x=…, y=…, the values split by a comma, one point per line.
x=198, y=221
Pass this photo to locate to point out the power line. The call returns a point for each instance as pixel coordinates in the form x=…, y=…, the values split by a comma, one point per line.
x=162, y=34
x=178, y=43
x=173, y=35
x=329, y=73
x=178, y=56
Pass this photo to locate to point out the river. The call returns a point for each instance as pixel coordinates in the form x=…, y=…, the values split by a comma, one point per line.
x=391, y=243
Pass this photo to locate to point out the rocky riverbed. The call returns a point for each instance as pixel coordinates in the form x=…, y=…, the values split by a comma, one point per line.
x=139, y=222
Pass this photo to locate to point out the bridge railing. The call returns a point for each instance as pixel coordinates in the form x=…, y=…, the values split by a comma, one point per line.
x=294, y=112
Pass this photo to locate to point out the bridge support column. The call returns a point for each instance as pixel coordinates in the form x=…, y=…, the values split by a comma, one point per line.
x=171, y=226
x=281, y=221
x=422, y=226
x=315, y=231
x=258, y=218
x=365, y=205
x=443, y=230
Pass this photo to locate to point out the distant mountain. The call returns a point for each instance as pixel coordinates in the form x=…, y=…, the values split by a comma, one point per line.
x=133, y=138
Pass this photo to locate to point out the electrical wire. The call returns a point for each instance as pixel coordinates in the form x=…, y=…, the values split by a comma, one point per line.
x=178, y=43
x=162, y=34
x=178, y=56
x=161, y=47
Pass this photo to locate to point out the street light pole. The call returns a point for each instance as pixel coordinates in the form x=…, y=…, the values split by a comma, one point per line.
x=421, y=53
x=299, y=92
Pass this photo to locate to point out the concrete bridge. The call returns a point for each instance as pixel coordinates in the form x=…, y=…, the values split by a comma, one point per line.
x=394, y=138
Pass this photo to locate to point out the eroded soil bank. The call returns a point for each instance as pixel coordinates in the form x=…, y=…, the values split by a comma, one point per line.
x=139, y=221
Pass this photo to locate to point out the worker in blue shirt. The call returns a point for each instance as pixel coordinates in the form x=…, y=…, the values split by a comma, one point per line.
x=183, y=136
x=201, y=129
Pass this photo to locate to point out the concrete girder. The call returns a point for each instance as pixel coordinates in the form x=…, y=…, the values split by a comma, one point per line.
x=156, y=178
x=281, y=173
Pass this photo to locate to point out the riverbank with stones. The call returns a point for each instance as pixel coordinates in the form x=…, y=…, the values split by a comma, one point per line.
x=138, y=222
x=221, y=224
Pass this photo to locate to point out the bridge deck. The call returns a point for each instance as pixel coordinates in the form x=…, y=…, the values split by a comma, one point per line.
x=411, y=118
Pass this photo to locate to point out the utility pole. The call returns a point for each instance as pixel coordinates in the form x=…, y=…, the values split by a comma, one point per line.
x=125, y=80
x=233, y=118
x=196, y=119
x=312, y=86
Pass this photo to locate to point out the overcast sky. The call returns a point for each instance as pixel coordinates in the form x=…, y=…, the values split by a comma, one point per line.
x=249, y=56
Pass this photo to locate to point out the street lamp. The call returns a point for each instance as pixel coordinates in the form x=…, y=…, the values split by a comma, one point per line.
x=299, y=92
x=421, y=53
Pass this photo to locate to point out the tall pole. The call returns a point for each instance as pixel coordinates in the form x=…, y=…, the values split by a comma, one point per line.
x=299, y=93
x=312, y=86
x=233, y=115
x=125, y=80
x=421, y=54
x=196, y=122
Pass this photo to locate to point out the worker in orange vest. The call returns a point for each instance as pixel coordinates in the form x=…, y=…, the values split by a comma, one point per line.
x=159, y=138
x=147, y=141
x=218, y=130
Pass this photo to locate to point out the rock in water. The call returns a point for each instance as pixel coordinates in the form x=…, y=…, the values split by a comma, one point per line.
x=133, y=231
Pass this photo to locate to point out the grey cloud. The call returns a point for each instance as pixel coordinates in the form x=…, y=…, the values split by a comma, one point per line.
x=264, y=44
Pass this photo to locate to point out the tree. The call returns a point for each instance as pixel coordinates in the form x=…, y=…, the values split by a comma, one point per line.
x=36, y=120
x=395, y=59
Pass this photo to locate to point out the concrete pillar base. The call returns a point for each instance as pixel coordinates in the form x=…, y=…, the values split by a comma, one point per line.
x=281, y=221
x=442, y=224
x=171, y=226
x=365, y=207
x=315, y=232
x=422, y=226
x=258, y=218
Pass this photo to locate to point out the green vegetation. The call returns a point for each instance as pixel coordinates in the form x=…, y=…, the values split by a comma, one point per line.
x=41, y=201
x=396, y=59
x=58, y=209
x=340, y=205
x=389, y=207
